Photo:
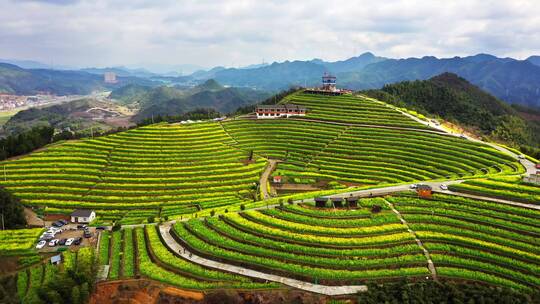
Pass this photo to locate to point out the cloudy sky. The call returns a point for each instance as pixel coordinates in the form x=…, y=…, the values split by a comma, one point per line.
x=240, y=32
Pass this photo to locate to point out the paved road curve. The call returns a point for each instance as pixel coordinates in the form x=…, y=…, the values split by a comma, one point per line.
x=321, y=289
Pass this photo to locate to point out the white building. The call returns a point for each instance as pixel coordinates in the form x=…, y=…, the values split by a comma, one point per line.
x=282, y=110
x=82, y=216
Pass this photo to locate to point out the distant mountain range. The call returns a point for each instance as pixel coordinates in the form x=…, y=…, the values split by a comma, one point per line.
x=515, y=81
x=512, y=80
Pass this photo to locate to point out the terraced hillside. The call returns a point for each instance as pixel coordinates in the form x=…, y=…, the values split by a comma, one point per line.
x=18, y=242
x=159, y=170
x=477, y=240
x=365, y=155
x=165, y=171
x=351, y=109
x=141, y=251
x=465, y=239
x=508, y=188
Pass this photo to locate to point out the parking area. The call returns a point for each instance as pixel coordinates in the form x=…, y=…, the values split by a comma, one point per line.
x=71, y=231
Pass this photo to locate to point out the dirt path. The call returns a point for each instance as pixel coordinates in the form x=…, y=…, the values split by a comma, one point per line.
x=32, y=219
x=270, y=167
x=431, y=266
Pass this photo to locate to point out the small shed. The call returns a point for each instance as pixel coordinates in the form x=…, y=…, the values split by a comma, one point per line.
x=337, y=202
x=320, y=202
x=55, y=260
x=424, y=191
x=352, y=202
x=83, y=216
x=277, y=179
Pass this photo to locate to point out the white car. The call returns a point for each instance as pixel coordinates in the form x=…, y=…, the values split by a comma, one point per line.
x=444, y=187
x=414, y=186
x=521, y=156
x=41, y=244
x=69, y=241
x=53, y=243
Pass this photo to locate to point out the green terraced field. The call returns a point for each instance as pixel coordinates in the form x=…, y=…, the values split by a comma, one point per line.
x=466, y=239
x=351, y=109
x=18, y=242
x=332, y=251
x=365, y=155
x=169, y=170
x=159, y=170
x=508, y=188
x=153, y=260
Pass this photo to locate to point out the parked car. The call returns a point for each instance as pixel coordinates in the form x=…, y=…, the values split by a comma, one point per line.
x=101, y=228
x=62, y=242
x=444, y=187
x=41, y=244
x=53, y=243
x=46, y=237
x=69, y=241
x=78, y=241
x=82, y=226
x=414, y=186
x=87, y=234
x=63, y=222
x=463, y=136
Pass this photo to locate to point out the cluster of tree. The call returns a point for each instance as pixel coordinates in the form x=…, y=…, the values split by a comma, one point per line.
x=456, y=100
x=197, y=114
x=268, y=101
x=11, y=210
x=25, y=142
x=443, y=292
x=8, y=290
x=71, y=286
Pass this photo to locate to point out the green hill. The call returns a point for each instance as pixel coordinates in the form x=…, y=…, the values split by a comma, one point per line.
x=455, y=99
x=163, y=168
x=169, y=101
x=203, y=169
x=73, y=115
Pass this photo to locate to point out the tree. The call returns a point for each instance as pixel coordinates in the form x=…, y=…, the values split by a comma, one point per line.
x=75, y=295
x=12, y=212
x=84, y=293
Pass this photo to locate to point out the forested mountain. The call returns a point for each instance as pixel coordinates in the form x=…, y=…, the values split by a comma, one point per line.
x=174, y=101
x=534, y=60
x=514, y=81
x=16, y=80
x=455, y=99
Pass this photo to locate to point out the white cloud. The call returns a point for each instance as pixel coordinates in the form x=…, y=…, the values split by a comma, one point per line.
x=241, y=32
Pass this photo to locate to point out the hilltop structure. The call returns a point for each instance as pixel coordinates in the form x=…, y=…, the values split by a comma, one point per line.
x=328, y=86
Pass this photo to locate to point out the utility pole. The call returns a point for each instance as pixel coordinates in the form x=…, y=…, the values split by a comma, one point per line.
x=3, y=228
x=5, y=176
x=92, y=132
x=152, y=118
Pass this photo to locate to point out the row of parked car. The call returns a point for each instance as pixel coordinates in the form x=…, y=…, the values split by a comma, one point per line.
x=49, y=236
x=60, y=242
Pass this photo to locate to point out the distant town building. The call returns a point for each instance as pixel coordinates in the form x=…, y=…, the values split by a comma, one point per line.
x=283, y=110
x=532, y=179
x=110, y=77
